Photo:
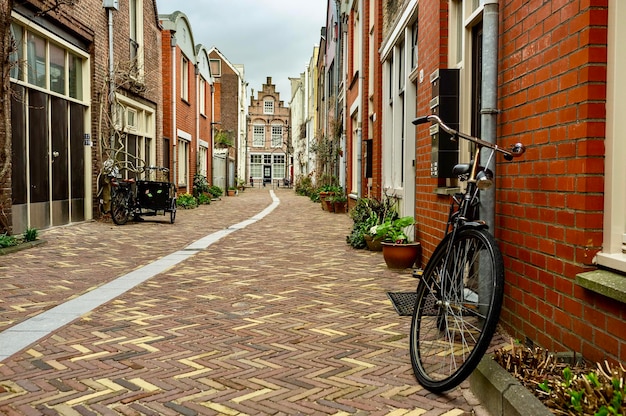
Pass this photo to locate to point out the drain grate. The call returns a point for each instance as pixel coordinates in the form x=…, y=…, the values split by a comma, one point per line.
x=403, y=302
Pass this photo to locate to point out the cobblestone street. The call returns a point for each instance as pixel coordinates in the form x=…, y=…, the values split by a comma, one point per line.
x=275, y=315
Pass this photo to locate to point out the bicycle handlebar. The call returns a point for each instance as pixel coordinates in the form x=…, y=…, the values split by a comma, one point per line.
x=515, y=150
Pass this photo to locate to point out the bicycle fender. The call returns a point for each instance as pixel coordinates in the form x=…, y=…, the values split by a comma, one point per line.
x=480, y=225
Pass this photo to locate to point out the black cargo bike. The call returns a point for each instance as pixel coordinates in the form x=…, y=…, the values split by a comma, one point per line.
x=134, y=198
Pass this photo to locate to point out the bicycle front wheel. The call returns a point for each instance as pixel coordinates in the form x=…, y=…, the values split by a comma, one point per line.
x=459, y=298
x=120, y=207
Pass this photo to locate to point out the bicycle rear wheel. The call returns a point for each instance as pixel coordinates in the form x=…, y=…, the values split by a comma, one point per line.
x=120, y=209
x=457, y=309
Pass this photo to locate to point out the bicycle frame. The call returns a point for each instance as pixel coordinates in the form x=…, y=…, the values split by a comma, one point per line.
x=460, y=292
x=475, y=173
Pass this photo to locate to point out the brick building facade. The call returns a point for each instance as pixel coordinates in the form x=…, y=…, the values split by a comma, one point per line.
x=62, y=125
x=268, y=132
x=559, y=209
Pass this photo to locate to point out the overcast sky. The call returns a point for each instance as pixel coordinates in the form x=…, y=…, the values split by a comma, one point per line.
x=271, y=38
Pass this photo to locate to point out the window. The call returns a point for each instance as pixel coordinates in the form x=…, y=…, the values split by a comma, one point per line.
x=183, y=161
x=414, y=50
x=390, y=72
x=137, y=121
x=401, y=67
x=277, y=136
x=57, y=69
x=45, y=64
x=184, y=77
x=135, y=8
x=17, y=56
x=216, y=67
x=278, y=168
x=356, y=43
x=268, y=107
x=75, y=76
x=256, y=166
x=36, y=61
x=203, y=154
x=258, y=136
x=202, y=96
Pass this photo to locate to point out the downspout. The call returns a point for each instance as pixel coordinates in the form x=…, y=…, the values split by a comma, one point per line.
x=489, y=111
x=111, y=78
x=361, y=98
x=197, y=116
x=174, y=129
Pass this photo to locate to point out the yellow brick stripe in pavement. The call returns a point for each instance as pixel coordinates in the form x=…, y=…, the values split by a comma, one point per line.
x=281, y=317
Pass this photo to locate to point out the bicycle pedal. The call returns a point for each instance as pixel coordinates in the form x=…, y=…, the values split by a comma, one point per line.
x=417, y=273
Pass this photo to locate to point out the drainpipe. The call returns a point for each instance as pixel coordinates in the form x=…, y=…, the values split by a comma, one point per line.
x=174, y=130
x=361, y=98
x=111, y=76
x=489, y=100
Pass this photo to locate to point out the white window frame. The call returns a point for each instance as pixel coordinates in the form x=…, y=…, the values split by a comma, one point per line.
x=256, y=165
x=136, y=36
x=183, y=147
x=613, y=254
x=184, y=78
x=268, y=106
x=258, y=137
x=202, y=96
x=277, y=136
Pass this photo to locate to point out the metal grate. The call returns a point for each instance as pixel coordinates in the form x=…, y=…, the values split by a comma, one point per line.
x=403, y=302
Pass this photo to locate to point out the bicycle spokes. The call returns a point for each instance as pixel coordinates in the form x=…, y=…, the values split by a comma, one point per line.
x=455, y=310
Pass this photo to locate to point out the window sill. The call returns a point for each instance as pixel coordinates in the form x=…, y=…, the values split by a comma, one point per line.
x=447, y=190
x=604, y=282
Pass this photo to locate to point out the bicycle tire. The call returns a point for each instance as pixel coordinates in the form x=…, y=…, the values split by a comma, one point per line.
x=120, y=210
x=452, y=324
x=173, y=211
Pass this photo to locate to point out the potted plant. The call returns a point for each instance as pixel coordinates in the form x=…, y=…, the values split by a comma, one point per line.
x=232, y=191
x=367, y=213
x=339, y=201
x=398, y=251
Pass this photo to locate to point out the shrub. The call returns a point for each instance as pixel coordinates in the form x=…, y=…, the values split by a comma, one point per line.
x=203, y=199
x=200, y=185
x=186, y=201
x=31, y=234
x=7, y=240
x=215, y=191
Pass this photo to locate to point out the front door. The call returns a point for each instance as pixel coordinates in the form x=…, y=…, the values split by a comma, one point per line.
x=267, y=174
x=48, y=160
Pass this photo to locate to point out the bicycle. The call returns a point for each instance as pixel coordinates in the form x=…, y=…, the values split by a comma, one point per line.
x=134, y=198
x=460, y=292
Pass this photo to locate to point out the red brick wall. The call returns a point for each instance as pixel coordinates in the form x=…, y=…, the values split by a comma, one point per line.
x=552, y=96
x=549, y=210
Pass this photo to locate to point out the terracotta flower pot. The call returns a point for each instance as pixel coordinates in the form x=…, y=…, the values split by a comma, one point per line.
x=373, y=244
x=401, y=256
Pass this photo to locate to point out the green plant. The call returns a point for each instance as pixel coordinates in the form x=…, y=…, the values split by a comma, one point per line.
x=200, y=184
x=339, y=198
x=7, y=240
x=367, y=213
x=203, y=199
x=224, y=138
x=30, y=234
x=186, y=201
x=393, y=230
x=215, y=191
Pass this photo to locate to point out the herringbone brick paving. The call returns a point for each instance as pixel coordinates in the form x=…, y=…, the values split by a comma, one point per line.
x=281, y=317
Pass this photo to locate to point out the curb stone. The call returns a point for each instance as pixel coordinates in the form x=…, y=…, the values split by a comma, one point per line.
x=501, y=394
x=20, y=247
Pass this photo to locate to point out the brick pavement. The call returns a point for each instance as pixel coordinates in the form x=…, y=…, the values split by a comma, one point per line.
x=281, y=317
